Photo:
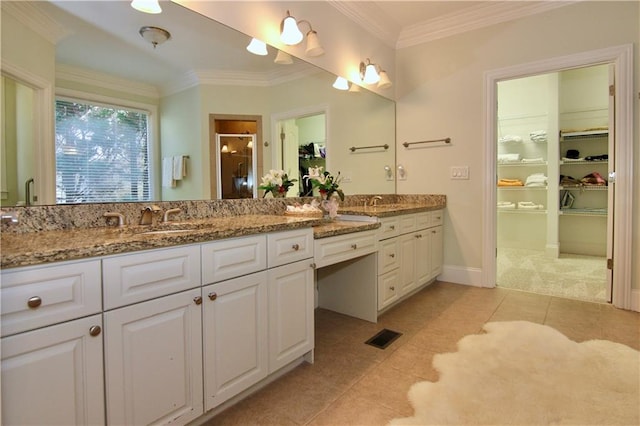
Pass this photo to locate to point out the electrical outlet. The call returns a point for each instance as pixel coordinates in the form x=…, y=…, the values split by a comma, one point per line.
x=460, y=172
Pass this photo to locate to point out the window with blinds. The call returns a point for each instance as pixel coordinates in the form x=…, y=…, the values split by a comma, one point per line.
x=102, y=153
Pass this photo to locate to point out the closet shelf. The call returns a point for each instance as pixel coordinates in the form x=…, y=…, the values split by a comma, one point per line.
x=522, y=211
x=584, y=134
x=522, y=188
x=584, y=188
x=571, y=163
x=584, y=212
x=520, y=164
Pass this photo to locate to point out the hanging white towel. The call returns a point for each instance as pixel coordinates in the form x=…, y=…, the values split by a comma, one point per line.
x=179, y=167
x=167, y=173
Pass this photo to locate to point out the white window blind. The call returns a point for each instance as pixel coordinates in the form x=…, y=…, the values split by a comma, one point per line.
x=102, y=153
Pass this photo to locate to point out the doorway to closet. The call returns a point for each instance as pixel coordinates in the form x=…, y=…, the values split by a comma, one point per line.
x=554, y=208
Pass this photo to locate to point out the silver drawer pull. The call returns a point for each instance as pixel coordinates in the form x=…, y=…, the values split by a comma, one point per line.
x=354, y=246
x=437, y=217
x=433, y=232
x=418, y=235
x=392, y=288
x=95, y=330
x=34, y=302
x=392, y=255
x=392, y=227
x=213, y=295
x=198, y=300
x=296, y=247
x=312, y=265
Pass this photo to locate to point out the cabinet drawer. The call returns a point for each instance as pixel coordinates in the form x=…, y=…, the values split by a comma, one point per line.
x=146, y=275
x=389, y=227
x=388, y=288
x=290, y=246
x=328, y=251
x=423, y=220
x=226, y=259
x=407, y=223
x=388, y=255
x=57, y=293
x=437, y=217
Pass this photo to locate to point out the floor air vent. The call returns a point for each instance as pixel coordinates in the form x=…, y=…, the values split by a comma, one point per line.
x=383, y=339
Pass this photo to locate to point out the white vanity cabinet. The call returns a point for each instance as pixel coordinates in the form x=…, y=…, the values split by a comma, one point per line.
x=410, y=257
x=52, y=345
x=153, y=361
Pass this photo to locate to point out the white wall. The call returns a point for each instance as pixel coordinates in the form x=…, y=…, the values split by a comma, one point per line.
x=440, y=94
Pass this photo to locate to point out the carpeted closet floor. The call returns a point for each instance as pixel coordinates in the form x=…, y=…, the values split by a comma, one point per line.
x=572, y=276
x=352, y=383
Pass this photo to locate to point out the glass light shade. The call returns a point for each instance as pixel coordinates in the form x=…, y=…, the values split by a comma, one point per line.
x=384, y=82
x=290, y=33
x=250, y=144
x=283, y=58
x=257, y=47
x=225, y=148
x=313, y=44
x=341, y=83
x=371, y=76
x=155, y=35
x=354, y=88
x=146, y=6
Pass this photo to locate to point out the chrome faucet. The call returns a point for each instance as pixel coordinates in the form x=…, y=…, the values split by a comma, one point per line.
x=373, y=201
x=166, y=217
x=147, y=214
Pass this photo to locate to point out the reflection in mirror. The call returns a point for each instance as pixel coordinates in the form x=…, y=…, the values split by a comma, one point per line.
x=204, y=69
x=237, y=165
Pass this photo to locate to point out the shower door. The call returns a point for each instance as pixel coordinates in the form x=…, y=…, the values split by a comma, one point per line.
x=236, y=166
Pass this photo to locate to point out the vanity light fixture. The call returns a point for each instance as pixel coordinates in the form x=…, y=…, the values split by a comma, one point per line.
x=250, y=144
x=291, y=35
x=384, y=82
x=146, y=6
x=155, y=35
x=225, y=148
x=369, y=73
x=341, y=83
x=257, y=47
x=283, y=58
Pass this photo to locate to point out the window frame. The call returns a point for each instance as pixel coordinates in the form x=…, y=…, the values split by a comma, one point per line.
x=115, y=102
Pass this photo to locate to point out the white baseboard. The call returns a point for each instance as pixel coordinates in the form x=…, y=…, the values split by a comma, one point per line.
x=461, y=275
x=635, y=299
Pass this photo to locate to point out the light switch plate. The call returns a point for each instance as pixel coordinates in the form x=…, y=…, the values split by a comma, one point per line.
x=460, y=172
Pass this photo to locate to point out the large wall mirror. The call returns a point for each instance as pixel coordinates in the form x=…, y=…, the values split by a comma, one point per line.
x=94, y=49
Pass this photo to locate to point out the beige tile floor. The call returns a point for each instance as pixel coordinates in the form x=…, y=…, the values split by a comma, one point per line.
x=351, y=383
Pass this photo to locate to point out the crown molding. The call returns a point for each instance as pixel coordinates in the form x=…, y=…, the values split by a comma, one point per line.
x=478, y=16
x=104, y=81
x=483, y=14
x=30, y=15
x=371, y=18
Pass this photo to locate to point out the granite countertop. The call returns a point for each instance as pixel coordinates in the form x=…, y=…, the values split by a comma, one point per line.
x=24, y=249
x=387, y=210
x=55, y=246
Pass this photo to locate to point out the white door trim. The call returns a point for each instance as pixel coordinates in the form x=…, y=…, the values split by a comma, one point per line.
x=622, y=58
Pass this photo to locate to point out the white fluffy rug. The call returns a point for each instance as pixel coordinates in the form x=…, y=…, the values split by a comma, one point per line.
x=521, y=373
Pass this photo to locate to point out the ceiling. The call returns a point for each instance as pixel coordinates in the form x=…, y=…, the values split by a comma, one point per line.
x=201, y=52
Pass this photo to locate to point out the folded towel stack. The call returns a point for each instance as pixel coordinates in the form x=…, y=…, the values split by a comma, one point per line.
x=506, y=205
x=528, y=205
x=536, y=180
x=508, y=158
x=538, y=136
x=510, y=182
x=533, y=160
x=510, y=139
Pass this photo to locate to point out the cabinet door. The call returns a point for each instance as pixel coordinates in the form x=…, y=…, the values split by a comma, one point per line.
x=54, y=375
x=423, y=256
x=407, y=264
x=235, y=336
x=153, y=359
x=437, y=248
x=291, y=301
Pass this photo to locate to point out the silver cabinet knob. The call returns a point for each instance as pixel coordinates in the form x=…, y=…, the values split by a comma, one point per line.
x=34, y=302
x=418, y=235
x=354, y=246
x=296, y=247
x=392, y=227
x=312, y=266
x=392, y=288
x=392, y=255
x=95, y=330
x=197, y=300
x=213, y=295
